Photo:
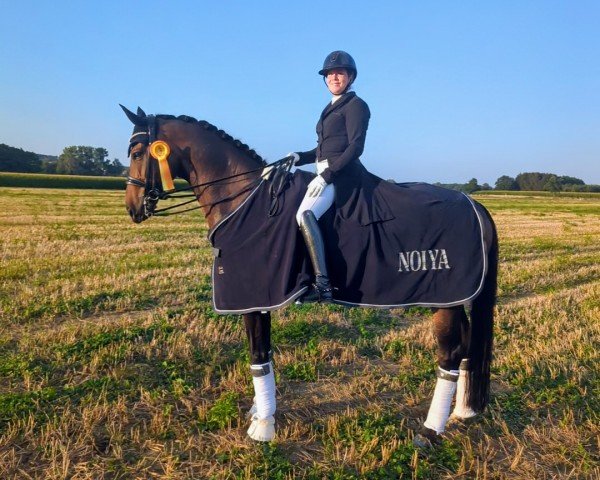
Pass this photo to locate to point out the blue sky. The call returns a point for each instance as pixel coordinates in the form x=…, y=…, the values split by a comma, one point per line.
x=456, y=89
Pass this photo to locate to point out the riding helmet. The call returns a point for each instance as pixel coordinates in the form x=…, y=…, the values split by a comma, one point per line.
x=338, y=59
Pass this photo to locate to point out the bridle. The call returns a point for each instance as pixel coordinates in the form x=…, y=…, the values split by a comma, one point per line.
x=153, y=192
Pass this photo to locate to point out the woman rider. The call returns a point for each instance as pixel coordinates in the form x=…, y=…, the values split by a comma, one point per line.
x=341, y=134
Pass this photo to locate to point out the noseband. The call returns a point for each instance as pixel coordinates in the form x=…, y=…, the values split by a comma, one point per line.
x=151, y=194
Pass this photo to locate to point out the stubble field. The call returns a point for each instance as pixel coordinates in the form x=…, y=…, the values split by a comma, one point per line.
x=113, y=365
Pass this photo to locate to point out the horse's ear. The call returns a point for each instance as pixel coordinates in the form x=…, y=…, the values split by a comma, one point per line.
x=133, y=118
x=140, y=112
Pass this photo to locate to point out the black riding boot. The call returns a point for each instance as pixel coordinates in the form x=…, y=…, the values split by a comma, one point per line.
x=321, y=290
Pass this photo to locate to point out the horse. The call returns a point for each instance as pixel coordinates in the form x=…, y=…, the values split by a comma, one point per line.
x=222, y=172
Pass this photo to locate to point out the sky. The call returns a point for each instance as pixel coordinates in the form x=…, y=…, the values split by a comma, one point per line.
x=456, y=90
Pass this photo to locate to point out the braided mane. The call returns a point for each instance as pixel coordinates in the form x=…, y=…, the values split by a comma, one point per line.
x=221, y=133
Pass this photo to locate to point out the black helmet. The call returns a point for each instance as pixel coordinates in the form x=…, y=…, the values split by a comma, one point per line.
x=339, y=59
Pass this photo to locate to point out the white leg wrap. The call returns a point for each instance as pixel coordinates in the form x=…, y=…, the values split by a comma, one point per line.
x=461, y=410
x=439, y=411
x=262, y=428
x=264, y=390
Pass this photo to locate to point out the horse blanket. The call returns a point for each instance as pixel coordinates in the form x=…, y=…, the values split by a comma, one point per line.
x=430, y=252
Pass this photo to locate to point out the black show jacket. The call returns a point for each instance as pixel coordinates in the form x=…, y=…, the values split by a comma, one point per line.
x=341, y=134
x=360, y=196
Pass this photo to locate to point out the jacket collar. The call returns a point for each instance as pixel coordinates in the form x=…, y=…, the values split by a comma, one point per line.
x=346, y=97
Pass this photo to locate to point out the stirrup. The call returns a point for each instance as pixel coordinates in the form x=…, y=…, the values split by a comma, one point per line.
x=316, y=294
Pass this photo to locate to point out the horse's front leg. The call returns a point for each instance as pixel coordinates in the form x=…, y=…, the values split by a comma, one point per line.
x=451, y=329
x=258, y=330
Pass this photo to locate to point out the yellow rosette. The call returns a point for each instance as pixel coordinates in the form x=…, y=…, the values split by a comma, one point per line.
x=160, y=150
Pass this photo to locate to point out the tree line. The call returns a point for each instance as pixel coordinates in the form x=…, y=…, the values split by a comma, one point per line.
x=85, y=160
x=528, y=181
x=74, y=160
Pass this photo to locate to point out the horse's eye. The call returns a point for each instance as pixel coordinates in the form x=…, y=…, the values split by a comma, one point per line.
x=137, y=155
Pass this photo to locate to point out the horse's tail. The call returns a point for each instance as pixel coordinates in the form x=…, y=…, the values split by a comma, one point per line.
x=482, y=330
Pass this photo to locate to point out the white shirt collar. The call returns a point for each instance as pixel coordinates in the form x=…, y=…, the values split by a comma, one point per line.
x=335, y=98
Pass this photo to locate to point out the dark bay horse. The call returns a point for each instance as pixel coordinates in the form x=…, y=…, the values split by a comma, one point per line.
x=222, y=172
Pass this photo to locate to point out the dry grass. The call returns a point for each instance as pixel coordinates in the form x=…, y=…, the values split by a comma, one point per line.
x=113, y=365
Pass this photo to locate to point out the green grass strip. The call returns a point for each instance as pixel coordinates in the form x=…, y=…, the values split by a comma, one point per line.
x=38, y=180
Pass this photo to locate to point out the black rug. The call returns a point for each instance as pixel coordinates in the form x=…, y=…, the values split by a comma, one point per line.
x=430, y=252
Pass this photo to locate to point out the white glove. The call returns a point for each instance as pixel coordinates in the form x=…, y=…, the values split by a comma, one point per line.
x=295, y=156
x=316, y=186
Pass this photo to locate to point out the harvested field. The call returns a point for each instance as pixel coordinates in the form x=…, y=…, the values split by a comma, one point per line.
x=113, y=365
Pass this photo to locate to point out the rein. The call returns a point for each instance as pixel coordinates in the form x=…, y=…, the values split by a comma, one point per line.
x=152, y=194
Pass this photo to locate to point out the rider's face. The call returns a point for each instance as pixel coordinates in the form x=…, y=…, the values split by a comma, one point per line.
x=337, y=80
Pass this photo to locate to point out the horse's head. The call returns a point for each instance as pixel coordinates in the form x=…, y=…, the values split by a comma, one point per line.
x=221, y=171
x=143, y=182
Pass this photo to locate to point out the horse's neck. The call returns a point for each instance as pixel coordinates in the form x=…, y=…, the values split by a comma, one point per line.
x=221, y=198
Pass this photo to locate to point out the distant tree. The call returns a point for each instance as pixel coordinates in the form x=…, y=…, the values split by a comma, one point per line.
x=115, y=168
x=472, y=186
x=18, y=160
x=552, y=184
x=452, y=186
x=84, y=160
x=506, y=183
x=581, y=188
x=48, y=166
x=469, y=187
x=530, y=181
x=534, y=181
x=48, y=163
x=566, y=180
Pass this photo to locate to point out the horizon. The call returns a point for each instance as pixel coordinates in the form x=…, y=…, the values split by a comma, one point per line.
x=432, y=181
x=455, y=91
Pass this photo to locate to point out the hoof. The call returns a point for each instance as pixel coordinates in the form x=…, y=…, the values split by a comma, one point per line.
x=262, y=430
x=419, y=441
x=458, y=420
x=463, y=414
x=427, y=438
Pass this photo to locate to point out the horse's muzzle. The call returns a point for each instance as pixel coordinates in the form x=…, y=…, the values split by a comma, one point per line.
x=139, y=216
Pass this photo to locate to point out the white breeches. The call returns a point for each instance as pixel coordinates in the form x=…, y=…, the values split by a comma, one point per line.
x=318, y=205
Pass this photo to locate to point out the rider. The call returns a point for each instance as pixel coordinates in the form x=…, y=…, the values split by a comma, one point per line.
x=341, y=132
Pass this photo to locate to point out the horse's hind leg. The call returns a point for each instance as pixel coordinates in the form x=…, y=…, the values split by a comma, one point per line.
x=258, y=330
x=451, y=329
